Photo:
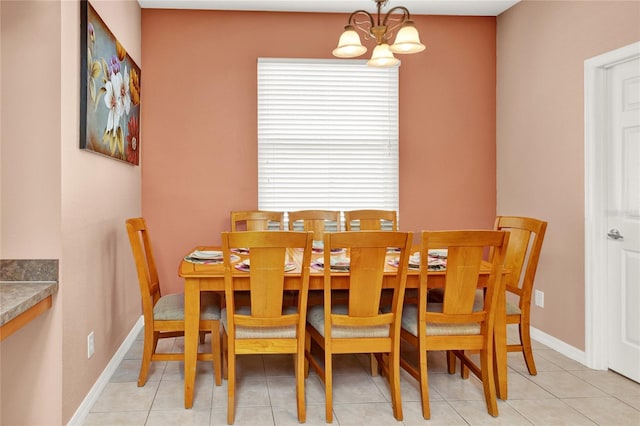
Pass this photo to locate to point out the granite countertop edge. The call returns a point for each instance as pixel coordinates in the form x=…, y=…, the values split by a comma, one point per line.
x=24, y=283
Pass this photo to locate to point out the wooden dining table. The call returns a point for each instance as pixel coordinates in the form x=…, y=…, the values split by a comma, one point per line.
x=199, y=277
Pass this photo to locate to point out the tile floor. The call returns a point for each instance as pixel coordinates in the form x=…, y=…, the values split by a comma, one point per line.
x=563, y=393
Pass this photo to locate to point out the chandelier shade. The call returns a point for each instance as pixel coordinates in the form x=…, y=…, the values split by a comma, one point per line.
x=349, y=45
x=407, y=40
x=381, y=28
x=382, y=57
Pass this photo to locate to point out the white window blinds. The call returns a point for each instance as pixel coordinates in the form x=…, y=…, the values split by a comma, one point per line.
x=327, y=135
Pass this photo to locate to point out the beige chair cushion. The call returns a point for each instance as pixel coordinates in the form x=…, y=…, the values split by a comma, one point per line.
x=513, y=309
x=478, y=303
x=410, y=323
x=171, y=307
x=315, y=318
x=244, y=332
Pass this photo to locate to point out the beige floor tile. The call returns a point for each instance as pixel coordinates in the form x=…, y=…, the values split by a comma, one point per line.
x=129, y=369
x=170, y=395
x=180, y=417
x=633, y=401
x=349, y=364
x=520, y=386
x=609, y=381
x=278, y=365
x=252, y=393
x=475, y=413
x=245, y=416
x=563, y=384
x=442, y=414
x=515, y=360
x=120, y=418
x=453, y=387
x=356, y=388
x=265, y=393
x=125, y=397
x=606, y=411
x=288, y=416
x=550, y=412
x=370, y=414
x=282, y=391
x=250, y=366
x=174, y=370
x=559, y=359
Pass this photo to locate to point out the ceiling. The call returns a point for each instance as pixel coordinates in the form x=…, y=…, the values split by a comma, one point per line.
x=416, y=7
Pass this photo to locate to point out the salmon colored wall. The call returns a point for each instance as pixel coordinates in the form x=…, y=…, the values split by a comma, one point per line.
x=199, y=144
x=542, y=46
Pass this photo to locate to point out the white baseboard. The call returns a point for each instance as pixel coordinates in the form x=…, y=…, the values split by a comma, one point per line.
x=559, y=346
x=93, y=395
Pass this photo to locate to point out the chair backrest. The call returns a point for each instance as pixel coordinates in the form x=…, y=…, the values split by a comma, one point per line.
x=256, y=220
x=523, y=253
x=315, y=221
x=465, y=254
x=269, y=251
x=371, y=219
x=145, y=265
x=367, y=251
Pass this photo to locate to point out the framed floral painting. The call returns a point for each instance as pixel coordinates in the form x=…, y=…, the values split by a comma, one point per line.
x=109, y=92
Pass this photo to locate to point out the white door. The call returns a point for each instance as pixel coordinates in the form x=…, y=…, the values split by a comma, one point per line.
x=623, y=218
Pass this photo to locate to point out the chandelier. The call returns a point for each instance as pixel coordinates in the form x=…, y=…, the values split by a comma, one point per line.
x=382, y=30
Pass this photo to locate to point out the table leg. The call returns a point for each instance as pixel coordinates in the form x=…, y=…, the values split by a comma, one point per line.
x=191, y=336
x=500, y=344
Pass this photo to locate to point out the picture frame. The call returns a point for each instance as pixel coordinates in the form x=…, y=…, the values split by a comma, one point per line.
x=109, y=92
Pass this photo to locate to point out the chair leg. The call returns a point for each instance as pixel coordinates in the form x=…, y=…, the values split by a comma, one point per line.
x=451, y=362
x=231, y=385
x=307, y=353
x=299, y=367
x=488, y=380
x=527, y=350
x=225, y=354
x=149, y=348
x=375, y=368
x=215, y=348
x=424, y=385
x=394, y=384
x=328, y=385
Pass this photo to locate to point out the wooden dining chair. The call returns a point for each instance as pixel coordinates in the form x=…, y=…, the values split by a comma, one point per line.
x=523, y=253
x=359, y=326
x=164, y=315
x=256, y=220
x=266, y=325
x=371, y=220
x=315, y=220
x=521, y=259
x=456, y=325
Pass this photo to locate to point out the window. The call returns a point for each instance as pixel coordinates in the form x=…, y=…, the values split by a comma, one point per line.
x=327, y=135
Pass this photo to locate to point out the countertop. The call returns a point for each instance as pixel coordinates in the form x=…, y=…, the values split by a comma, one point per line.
x=24, y=283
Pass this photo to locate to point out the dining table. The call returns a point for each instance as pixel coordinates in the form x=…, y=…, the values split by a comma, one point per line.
x=208, y=275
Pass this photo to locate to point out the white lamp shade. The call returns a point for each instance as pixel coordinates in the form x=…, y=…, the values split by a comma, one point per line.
x=382, y=57
x=349, y=45
x=407, y=40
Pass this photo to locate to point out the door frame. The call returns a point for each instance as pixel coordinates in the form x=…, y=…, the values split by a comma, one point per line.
x=595, y=132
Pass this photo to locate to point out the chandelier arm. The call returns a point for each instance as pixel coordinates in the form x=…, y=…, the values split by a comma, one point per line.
x=406, y=16
x=363, y=12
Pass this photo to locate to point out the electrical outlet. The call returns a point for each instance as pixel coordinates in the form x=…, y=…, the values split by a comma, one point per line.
x=539, y=298
x=91, y=348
